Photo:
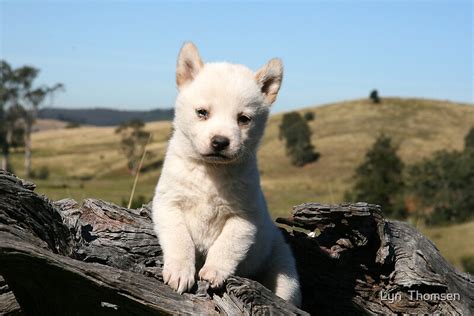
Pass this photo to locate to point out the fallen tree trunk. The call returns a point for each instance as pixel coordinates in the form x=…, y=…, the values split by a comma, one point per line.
x=8, y=303
x=98, y=258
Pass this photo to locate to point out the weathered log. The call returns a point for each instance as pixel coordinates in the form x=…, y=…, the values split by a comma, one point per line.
x=8, y=303
x=359, y=263
x=98, y=258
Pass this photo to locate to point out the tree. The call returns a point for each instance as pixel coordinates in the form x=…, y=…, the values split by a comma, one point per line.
x=33, y=99
x=133, y=142
x=17, y=92
x=297, y=134
x=374, y=96
x=309, y=116
x=469, y=139
x=444, y=183
x=378, y=179
x=15, y=120
x=7, y=94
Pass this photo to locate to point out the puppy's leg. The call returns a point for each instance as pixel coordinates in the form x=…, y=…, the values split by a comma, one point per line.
x=281, y=276
x=178, y=248
x=228, y=250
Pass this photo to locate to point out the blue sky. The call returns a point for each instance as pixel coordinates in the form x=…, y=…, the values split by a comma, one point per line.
x=122, y=54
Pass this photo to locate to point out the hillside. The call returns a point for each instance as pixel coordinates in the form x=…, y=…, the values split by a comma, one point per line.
x=46, y=124
x=342, y=132
x=104, y=117
x=87, y=162
x=445, y=237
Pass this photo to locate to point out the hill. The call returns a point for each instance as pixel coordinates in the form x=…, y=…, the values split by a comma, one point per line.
x=46, y=124
x=87, y=162
x=342, y=133
x=104, y=117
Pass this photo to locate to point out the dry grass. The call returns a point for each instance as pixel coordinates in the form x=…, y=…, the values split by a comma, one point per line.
x=342, y=133
x=87, y=162
x=453, y=241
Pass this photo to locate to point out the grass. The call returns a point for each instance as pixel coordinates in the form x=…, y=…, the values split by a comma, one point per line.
x=343, y=132
x=87, y=162
x=454, y=241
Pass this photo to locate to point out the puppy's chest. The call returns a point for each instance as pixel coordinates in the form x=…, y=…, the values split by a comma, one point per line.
x=206, y=207
x=205, y=219
x=208, y=197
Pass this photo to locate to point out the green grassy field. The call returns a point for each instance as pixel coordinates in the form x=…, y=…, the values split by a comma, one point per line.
x=87, y=162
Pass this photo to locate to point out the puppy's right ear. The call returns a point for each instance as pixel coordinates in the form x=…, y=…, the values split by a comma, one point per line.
x=269, y=79
x=189, y=64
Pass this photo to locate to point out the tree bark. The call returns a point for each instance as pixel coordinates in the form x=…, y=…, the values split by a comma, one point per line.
x=8, y=303
x=64, y=258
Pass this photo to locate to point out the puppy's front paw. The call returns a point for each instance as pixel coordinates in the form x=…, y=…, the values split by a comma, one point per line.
x=213, y=275
x=179, y=275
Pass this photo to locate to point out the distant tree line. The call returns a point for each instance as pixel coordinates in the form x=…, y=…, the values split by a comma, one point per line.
x=104, y=116
x=20, y=100
x=443, y=183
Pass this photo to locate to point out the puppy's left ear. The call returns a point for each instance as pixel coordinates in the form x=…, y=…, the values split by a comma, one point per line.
x=189, y=64
x=269, y=79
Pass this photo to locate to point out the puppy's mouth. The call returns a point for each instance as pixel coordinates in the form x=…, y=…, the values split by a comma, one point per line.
x=218, y=157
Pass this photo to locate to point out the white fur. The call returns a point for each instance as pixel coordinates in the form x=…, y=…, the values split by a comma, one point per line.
x=211, y=214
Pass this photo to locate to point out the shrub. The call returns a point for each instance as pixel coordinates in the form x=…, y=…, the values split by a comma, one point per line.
x=445, y=183
x=41, y=174
x=441, y=215
x=378, y=179
x=9, y=166
x=297, y=134
x=133, y=142
x=469, y=139
x=467, y=263
x=137, y=201
x=374, y=96
x=309, y=116
x=73, y=125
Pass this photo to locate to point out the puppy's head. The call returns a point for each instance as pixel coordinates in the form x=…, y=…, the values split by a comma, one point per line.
x=222, y=108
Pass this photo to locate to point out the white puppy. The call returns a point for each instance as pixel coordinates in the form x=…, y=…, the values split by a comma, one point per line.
x=209, y=211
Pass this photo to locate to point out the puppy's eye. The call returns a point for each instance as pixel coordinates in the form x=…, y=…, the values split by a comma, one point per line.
x=244, y=119
x=202, y=114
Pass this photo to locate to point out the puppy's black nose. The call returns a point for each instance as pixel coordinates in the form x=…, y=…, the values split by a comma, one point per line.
x=219, y=143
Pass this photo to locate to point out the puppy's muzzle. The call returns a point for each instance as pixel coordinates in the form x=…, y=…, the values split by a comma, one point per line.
x=219, y=143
